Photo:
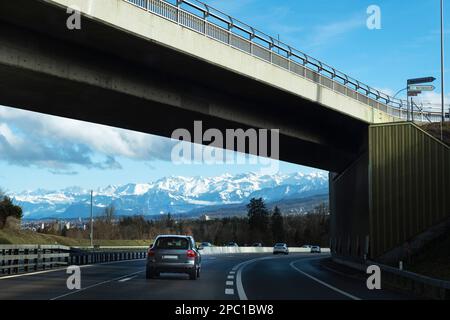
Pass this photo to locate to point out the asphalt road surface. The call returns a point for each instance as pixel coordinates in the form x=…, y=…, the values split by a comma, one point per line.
x=224, y=277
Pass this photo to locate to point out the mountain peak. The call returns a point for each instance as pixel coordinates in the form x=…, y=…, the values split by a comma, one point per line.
x=176, y=194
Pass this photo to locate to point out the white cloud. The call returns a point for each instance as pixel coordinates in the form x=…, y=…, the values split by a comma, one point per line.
x=324, y=34
x=29, y=138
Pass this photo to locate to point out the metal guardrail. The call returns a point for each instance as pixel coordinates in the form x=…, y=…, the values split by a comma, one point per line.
x=214, y=24
x=25, y=258
x=28, y=258
x=415, y=283
x=217, y=250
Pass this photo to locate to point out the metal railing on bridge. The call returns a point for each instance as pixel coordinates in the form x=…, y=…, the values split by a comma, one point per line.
x=219, y=26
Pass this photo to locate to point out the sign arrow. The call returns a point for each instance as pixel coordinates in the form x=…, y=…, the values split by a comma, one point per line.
x=421, y=80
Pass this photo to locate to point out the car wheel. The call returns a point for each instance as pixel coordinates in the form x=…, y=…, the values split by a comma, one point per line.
x=193, y=275
x=149, y=274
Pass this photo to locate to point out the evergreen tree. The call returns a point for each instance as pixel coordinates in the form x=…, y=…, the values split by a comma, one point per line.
x=109, y=213
x=258, y=219
x=278, y=226
x=8, y=209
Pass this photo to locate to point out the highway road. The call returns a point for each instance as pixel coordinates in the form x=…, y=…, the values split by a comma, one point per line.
x=224, y=277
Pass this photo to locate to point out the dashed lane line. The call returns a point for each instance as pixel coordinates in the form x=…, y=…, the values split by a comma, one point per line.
x=229, y=291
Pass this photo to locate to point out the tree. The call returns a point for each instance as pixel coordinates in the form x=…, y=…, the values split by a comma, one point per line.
x=8, y=209
x=169, y=221
x=278, y=226
x=109, y=213
x=258, y=219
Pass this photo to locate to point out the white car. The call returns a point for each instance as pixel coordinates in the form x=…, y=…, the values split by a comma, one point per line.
x=315, y=249
x=280, y=248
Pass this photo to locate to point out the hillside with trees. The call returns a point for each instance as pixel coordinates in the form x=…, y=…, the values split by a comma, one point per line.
x=260, y=225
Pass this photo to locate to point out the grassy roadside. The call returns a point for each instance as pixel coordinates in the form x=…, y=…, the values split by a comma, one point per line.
x=435, y=130
x=9, y=236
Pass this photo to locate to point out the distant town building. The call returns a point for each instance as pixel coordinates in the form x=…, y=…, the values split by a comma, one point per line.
x=205, y=217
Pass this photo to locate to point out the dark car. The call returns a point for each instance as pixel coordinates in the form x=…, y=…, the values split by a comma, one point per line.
x=315, y=249
x=206, y=244
x=174, y=254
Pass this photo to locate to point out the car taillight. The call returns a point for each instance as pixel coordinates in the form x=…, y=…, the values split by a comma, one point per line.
x=191, y=254
x=150, y=252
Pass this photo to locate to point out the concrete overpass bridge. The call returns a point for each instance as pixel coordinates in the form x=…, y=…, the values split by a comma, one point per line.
x=155, y=66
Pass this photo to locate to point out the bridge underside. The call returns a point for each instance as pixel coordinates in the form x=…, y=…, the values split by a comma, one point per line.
x=106, y=75
x=109, y=76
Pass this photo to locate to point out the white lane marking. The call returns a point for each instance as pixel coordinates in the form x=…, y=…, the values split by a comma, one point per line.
x=229, y=291
x=32, y=273
x=232, y=272
x=239, y=268
x=95, y=285
x=292, y=264
x=229, y=283
x=230, y=277
x=127, y=279
x=64, y=268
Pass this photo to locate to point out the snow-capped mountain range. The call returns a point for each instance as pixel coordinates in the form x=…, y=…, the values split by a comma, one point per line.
x=177, y=195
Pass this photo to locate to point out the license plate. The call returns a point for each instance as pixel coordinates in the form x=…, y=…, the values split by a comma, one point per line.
x=170, y=257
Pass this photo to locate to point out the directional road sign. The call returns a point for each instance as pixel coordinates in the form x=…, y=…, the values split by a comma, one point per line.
x=413, y=93
x=421, y=80
x=421, y=88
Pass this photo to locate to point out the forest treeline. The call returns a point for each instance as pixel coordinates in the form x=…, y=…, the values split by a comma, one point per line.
x=259, y=226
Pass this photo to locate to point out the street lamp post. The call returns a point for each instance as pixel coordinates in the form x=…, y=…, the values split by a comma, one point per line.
x=92, y=222
x=442, y=69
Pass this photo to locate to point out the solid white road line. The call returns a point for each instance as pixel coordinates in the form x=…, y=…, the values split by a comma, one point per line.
x=64, y=268
x=239, y=268
x=95, y=285
x=229, y=291
x=292, y=264
x=229, y=283
x=32, y=273
x=127, y=279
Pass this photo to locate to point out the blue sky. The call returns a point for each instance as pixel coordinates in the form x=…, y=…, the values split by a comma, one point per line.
x=38, y=151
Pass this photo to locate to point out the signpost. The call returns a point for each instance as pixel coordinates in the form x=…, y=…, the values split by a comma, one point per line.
x=415, y=87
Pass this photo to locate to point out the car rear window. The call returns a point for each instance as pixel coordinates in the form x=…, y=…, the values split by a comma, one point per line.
x=172, y=243
x=279, y=245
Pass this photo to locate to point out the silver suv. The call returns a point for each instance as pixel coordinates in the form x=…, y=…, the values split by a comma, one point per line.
x=174, y=254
